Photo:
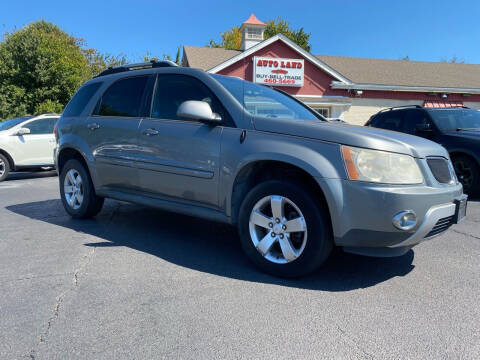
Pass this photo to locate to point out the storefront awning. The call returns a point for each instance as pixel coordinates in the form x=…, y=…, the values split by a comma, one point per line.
x=442, y=103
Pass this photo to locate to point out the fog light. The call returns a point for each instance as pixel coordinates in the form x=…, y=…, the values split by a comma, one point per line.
x=405, y=220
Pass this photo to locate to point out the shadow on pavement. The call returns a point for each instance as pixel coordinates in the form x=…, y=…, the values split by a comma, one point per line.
x=207, y=246
x=30, y=175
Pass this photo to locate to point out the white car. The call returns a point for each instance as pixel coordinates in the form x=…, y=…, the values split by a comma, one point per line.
x=27, y=143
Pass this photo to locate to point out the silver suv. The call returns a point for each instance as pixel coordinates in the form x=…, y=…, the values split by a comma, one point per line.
x=228, y=150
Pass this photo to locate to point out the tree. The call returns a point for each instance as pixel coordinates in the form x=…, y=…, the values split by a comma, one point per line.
x=177, y=56
x=453, y=60
x=97, y=61
x=39, y=64
x=280, y=26
x=232, y=39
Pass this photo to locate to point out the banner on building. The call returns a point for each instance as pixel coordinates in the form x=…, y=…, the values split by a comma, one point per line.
x=278, y=71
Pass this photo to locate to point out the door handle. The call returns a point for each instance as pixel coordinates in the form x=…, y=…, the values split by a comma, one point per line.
x=93, y=126
x=150, y=132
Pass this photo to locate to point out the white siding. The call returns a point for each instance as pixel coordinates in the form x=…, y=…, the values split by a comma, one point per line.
x=472, y=105
x=361, y=109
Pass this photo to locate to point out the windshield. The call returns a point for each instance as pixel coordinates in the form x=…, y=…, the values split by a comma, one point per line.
x=8, y=124
x=263, y=101
x=456, y=119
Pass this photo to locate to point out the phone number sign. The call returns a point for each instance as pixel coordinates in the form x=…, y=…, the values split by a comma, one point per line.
x=278, y=71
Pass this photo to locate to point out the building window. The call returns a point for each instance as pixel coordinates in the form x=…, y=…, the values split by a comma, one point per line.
x=324, y=111
x=254, y=33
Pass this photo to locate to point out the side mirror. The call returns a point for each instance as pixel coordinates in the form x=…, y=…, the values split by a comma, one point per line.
x=22, y=131
x=423, y=128
x=198, y=110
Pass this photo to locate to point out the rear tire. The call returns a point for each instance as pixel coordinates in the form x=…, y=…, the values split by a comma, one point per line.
x=4, y=167
x=285, y=253
x=468, y=174
x=78, y=194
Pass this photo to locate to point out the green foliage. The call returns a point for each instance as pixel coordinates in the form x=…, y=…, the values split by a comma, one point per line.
x=232, y=39
x=97, y=61
x=39, y=64
x=280, y=26
x=48, y=106
x=177, y=56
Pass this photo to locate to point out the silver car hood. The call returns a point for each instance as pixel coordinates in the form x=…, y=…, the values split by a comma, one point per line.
x=359, y=136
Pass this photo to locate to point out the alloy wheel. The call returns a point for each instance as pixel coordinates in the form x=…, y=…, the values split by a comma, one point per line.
x=73, y=189
x=464, y=173
x=278, y=229
x=3, y=167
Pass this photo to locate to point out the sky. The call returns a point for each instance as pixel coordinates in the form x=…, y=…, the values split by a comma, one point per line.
x=390, y=29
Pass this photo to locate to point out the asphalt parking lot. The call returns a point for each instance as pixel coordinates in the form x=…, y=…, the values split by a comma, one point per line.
x=139, y=283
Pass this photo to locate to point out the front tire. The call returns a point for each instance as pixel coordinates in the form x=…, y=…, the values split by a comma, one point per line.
x=468, y=174
x=78, y=194
x=283, y=230
x=4, y=167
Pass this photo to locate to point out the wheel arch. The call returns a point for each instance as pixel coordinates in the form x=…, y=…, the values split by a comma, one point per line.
x=11, y=163
x=69, y=152
x=257, y=171
x=467, y=153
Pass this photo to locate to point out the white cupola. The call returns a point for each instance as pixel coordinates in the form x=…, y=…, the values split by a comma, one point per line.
x=252, y=32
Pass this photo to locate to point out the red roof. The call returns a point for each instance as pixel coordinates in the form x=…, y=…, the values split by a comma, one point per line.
x=252, y=20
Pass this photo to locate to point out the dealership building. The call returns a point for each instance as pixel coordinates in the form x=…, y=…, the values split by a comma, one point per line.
x=342, y=87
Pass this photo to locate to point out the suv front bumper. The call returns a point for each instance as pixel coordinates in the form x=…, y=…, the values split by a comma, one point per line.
x=362, y=214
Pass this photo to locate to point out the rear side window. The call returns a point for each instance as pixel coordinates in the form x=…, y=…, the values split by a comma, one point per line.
x=81, y=99
x=123, y=98
x=390, y=120
x=41, y=126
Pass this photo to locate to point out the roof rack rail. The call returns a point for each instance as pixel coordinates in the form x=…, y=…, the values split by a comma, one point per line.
x=137, y=66
x=402, y=107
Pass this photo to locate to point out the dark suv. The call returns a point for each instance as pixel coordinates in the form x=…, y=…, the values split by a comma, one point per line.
x=456, y=128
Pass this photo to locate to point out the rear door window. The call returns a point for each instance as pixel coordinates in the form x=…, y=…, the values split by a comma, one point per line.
x=414, y=118
x=81, y=99
x=123, y=98
x=390, y=120
x=41, y=126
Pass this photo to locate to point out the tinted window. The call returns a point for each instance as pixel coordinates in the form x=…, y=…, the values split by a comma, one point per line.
x=41, y=126
x=263, y=101
x=413, y=118
x=172, y=90
x=389, y=120
x=8, y=124
x=456, y=119
x=123, y=98
x=80, y=99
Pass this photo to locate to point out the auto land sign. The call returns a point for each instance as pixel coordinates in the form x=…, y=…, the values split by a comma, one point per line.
x=277, y=71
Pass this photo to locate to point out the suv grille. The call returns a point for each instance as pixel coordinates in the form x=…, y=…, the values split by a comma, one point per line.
x=441, y=225
x=440, y=170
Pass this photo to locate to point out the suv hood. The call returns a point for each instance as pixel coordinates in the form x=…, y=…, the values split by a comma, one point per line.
x=359, y=136
x=468, y=134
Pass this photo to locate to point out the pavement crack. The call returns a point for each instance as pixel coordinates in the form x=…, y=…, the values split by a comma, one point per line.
x=60, y=298
x=354, y=343
x=466, y=234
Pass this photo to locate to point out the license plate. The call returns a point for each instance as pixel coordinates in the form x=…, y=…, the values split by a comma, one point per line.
x=461, y=209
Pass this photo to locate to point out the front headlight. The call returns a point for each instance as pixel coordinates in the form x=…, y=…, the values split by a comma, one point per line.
x=380, y=166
